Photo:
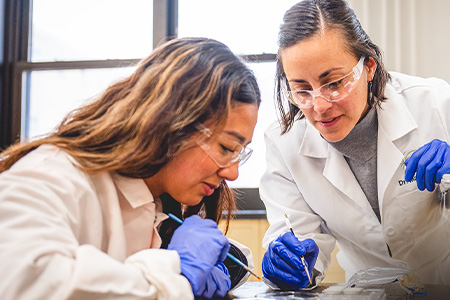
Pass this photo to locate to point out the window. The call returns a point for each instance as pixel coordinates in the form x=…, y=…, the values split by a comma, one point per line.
x=54, y=93
x=76, y=48
x=73, y=30
x=250, y=29
x=247, y=27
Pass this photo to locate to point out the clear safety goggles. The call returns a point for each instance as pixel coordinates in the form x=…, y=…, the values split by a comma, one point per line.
x=222, y=150
x=332, y=91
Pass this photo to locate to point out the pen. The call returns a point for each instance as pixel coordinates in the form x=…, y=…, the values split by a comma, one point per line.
x=232, y=257
x=288, y=223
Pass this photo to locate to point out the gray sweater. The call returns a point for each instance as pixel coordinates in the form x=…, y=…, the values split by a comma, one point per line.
x=359, y=148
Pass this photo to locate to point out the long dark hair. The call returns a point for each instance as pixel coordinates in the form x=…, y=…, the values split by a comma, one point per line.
x=307, y=18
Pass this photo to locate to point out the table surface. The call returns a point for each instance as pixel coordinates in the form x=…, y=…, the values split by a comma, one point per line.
x=393, y=291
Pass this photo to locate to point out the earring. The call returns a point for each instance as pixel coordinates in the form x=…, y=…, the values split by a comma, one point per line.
x=369, y=94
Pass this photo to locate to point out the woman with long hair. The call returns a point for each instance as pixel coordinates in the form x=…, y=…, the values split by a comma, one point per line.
x=83, y=210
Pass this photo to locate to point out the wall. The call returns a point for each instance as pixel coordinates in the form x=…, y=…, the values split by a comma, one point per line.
x=413, y=34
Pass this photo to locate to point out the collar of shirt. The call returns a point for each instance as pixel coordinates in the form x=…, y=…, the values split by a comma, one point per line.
x=134, y=190
x=142, y=212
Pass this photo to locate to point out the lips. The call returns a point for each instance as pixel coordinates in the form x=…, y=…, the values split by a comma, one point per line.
x=209, y=188
x=329, y=122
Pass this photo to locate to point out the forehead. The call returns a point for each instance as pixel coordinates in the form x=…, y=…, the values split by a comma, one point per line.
x=316, y=54
x=240, y=122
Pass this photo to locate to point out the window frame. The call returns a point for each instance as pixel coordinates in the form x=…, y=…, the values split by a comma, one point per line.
x=16, y=59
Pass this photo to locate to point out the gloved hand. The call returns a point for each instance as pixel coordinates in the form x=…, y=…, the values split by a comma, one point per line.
x=201, y=246
x=282, y=264
x=430, y=162
x=218, y=282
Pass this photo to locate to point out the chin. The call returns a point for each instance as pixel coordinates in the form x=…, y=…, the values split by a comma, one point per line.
x=191, y=201
x=333, y=138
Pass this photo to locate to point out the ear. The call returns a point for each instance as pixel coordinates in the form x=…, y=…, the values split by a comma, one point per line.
x=372, y=66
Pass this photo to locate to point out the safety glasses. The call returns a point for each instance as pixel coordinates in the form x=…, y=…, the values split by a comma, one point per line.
x=222, y=150
x=332, y=91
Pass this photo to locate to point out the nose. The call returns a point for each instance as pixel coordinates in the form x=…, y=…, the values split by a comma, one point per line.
x=230, y=173
x=321, y=105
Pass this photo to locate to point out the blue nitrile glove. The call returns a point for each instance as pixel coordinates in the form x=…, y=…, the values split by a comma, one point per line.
x=218, y=282
x=429, y=162
x=201, y=246
x=282, y=265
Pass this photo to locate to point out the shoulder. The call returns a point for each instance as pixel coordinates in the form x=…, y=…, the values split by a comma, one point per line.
x=52, y=169
x=415, y=103
x=46, y=158
x=418, y=93
x=403, y=83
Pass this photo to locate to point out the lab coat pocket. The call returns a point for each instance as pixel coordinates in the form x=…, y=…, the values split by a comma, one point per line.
x=421, y=211
x=429, y=229
x=397, y=231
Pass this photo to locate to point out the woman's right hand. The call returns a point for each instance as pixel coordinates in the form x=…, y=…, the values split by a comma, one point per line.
x=282, y=265
x=201, y=246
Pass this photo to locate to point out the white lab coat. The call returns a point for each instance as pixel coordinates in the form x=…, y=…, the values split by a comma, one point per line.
x=68, y=235
x=311, y=182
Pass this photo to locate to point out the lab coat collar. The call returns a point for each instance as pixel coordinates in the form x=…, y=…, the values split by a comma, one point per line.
x=390, y=129
x=134, y=190
x=392, y=110
x=313, y=144
x=336, y=169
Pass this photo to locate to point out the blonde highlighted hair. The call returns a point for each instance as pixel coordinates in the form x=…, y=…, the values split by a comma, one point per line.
x=136, y=126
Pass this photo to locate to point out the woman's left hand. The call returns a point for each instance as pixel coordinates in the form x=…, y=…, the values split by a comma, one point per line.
x=430, y=162
x=218, y=283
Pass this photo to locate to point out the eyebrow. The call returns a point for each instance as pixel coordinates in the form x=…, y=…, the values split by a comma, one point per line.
x=321, y=76
x=240, y=137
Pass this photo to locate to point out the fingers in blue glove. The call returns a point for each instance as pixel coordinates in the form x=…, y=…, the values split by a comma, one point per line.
x=218, y=283
x=202, y=238
x=445, y=167
x=284, y=259
x=281, y=273
x=201, y=246
x=306, y=248
x=430, y=162
x=297, y=246
x=209, y=230
x=282, y=264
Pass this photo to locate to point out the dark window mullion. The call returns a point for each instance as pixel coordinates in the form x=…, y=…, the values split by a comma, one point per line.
x=15, y=22
x=69, y=65
x=165, y=20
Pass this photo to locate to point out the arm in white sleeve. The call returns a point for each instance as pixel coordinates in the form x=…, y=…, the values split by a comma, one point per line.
x=41, y=209
x=281, y=195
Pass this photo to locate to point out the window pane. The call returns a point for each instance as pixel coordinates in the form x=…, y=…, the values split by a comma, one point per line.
x=250, y=173
x=53, y=94
x=91, y=29
x=246, y=26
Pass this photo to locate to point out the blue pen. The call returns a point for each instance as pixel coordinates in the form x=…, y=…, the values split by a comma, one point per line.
x=232, y=257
